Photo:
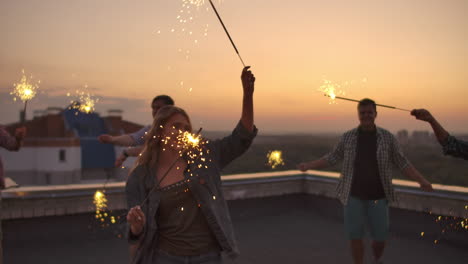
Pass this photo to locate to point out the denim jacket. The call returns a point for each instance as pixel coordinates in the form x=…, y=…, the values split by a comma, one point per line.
x=204, y=183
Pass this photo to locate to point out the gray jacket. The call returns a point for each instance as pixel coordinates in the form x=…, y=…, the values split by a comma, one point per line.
x=204, y=183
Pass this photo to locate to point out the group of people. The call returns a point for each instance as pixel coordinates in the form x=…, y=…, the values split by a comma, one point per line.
x=177, y=214
x=177, y=210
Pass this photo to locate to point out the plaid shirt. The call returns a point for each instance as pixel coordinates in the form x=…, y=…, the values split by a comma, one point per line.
x=455, y=147
x=388, y=154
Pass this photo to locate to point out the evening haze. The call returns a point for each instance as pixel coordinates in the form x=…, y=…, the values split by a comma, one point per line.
x=409, y=54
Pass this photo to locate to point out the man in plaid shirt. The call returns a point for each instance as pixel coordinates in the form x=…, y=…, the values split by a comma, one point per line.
x=451, y=145
x=365, y=187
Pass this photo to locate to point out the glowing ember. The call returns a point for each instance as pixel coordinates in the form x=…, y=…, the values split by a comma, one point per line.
x=331, y=90
x=25, y=90
x=85, y=103
x=275, y=158
x=102, y=214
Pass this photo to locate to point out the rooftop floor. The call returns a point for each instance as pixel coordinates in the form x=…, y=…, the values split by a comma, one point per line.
x=297, y=228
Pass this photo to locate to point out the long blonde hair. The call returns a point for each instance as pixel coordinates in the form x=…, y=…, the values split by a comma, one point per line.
x=154, y=136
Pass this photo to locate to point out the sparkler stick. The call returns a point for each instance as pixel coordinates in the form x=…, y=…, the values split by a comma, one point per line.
x=227, y=33
x=354, y=100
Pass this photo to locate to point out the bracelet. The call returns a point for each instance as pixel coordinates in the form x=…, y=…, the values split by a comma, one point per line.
x=124, y=152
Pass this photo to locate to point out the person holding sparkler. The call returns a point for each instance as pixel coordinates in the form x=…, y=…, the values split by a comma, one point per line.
x=138, y=138
x=178, y=213
x=451, y=145
x=365, y=187
x=12, y=144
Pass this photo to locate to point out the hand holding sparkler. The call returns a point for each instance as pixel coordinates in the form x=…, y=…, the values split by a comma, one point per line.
x=248, y=84
x=439, y=131
x=422, y=114
x=137, y=220
x=248, y=81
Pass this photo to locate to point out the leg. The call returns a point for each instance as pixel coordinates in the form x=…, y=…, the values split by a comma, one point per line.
x=357, y=250
x=354, y=217
x=379, y=226
x=378, y=249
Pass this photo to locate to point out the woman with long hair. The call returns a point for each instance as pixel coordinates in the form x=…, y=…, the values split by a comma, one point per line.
x=178, y=213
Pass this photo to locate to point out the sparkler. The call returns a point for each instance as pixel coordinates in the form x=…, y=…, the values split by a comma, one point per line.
x=275, y=158
x=227, y=33
x=332, y=90
x=25, y=91
x=85, y=103
x=100, y=202
x=191, y=145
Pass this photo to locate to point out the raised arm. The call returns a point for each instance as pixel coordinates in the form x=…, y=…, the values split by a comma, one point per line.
x=234, y=145
x=248, y=82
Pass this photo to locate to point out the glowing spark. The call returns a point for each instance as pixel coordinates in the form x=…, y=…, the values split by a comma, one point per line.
x=25, y=90
x=85, y=103
x=422, y=234
x=100, y=201
x=275, y=158
x=331, y=90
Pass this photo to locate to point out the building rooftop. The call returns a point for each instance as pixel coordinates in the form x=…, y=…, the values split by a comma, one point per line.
x=278, y=217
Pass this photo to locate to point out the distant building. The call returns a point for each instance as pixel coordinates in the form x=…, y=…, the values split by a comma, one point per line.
x=403, y=137
x=61, y=147
x=422, y=138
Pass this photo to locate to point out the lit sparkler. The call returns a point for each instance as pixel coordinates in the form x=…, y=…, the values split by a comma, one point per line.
x=25, y=90
x=191, y=147
x=85, y=103
x=333, y=91
x=100, y=202
x=275, y=158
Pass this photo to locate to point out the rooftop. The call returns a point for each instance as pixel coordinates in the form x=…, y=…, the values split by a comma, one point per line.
x=279, y=217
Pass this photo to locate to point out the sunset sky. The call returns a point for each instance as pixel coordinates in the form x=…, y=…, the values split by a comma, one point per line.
x=406, y=53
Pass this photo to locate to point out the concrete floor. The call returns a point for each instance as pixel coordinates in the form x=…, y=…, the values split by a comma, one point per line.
x=287, y=229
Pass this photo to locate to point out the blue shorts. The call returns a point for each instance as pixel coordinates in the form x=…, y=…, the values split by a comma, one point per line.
x=361, y=213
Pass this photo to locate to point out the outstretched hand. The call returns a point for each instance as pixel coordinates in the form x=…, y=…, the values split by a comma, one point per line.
x=422, y=114
x=248, y=81
x=105, y=138
x=426, y=186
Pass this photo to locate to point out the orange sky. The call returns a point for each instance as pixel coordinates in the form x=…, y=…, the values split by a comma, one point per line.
x=411, y=54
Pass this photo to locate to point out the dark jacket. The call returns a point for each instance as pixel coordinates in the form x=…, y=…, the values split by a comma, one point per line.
x=204, y=183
